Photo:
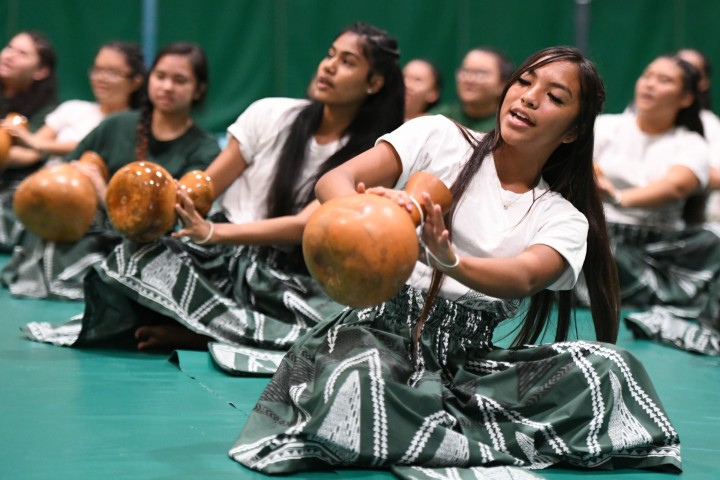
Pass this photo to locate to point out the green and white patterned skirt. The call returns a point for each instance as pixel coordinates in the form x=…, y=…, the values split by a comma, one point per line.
x=236, y=295
x=677, y=275
x=349, y=393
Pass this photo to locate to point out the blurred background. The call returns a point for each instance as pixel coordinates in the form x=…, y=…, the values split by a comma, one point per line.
x=260, y=48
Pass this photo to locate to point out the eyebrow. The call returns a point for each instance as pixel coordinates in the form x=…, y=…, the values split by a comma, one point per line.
x=344, y=52
x=553, y=84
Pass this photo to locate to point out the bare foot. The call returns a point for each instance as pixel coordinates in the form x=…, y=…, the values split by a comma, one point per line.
x=169, y=337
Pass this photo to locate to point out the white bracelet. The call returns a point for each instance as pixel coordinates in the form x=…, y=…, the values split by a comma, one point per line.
x=429, y=254
x=209, y=235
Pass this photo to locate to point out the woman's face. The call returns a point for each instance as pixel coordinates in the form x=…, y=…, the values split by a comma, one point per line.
x=540, y=109
x=20, y=62
x=172, y=85
x=420, y=87
x=479, y=80
x=111, y=78
x=342, y=76
x=659, y=90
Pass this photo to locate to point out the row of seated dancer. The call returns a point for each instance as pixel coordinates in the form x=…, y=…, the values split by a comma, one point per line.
x=552, y=209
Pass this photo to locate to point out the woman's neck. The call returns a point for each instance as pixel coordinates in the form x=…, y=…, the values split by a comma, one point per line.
x=335, y=121
x=108, y=108
x=167, y=127
x=654, y=124
x=11, y=89
x=518, y=171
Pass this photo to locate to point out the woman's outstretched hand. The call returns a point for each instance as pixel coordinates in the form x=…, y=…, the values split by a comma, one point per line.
x=192, y=223
x=436, y=238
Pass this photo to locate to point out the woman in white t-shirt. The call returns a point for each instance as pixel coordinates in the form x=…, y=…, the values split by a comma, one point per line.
x=240, y=278
x=116, y=79
x=651, y=159
x=416, y=381
x=711, y=128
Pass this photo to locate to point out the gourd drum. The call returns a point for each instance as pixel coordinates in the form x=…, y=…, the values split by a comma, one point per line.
x=58, y=203
x=199, y=188
x=362, y=248
x=6, y=140
x=141, y=198
x=140, y=201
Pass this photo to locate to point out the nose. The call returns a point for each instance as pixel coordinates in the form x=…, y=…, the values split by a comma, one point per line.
x=330, y=64
x=529, y=98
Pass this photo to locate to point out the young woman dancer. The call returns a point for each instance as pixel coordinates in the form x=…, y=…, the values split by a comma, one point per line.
x=162, y=131
x=241, y=279
x=416, y=380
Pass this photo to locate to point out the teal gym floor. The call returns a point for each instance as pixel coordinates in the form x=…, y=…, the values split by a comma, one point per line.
x=113, y=414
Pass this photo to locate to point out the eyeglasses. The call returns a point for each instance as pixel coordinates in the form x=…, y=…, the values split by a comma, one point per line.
x=472, y=75
x=108, y=73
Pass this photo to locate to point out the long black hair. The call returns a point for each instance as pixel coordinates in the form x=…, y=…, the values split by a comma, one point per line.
x=704, y=96
x=380, y=112
x=689, y=117
x=135, y=60
x=41, y=92
x=198, y=61
x=569, y=171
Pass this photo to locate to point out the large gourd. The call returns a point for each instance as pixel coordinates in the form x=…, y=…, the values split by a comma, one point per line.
x=362, y=248
x=58, y=203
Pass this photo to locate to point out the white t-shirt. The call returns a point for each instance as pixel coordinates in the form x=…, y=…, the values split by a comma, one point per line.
x=73, y=120
x=711, y=125
x=261, y=131
x=630, y=158
x=482, y=226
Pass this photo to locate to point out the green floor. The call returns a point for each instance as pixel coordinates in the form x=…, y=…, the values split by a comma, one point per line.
x=111, y=414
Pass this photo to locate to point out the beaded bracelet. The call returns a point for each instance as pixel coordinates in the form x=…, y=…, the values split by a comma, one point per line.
x=209, y=235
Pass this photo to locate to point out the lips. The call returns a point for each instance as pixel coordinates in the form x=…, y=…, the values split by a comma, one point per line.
x=324, y=82
x=521, y=117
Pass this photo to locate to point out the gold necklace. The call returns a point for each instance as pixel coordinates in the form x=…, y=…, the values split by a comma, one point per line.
x=509, y=204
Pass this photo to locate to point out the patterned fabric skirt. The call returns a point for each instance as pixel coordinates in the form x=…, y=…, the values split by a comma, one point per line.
x=678, y=275
x=234, y=295
x=42, y=269
x=10, y=228
x=349, y=393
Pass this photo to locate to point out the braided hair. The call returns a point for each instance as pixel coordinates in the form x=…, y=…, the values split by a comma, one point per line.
x=199, y=63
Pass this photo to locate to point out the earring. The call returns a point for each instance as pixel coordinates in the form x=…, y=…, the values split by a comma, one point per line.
x=370, y=91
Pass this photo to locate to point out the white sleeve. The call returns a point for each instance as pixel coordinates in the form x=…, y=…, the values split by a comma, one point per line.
x=430, y=143
x=566, y=232
x=263, y=121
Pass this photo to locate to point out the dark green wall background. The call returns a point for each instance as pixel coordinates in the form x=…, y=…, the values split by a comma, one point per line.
x=260, y=48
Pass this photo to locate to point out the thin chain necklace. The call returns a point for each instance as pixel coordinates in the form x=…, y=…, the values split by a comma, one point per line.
x=518, y=196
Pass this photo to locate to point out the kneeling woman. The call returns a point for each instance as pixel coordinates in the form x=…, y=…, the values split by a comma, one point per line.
x=416, y=380
x=243, y=282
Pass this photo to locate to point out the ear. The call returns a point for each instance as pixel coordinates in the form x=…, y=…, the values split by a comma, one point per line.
x=41, y=74
x=136, y=82
x=199, y=91
x=687, y=100
x=432, y=96
x=375, y=84
x=571, y=135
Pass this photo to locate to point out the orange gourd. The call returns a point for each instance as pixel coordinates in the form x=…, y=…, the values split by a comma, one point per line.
x=58, y=203
x=140, y=201
x=200, y=188
x=362, y=248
